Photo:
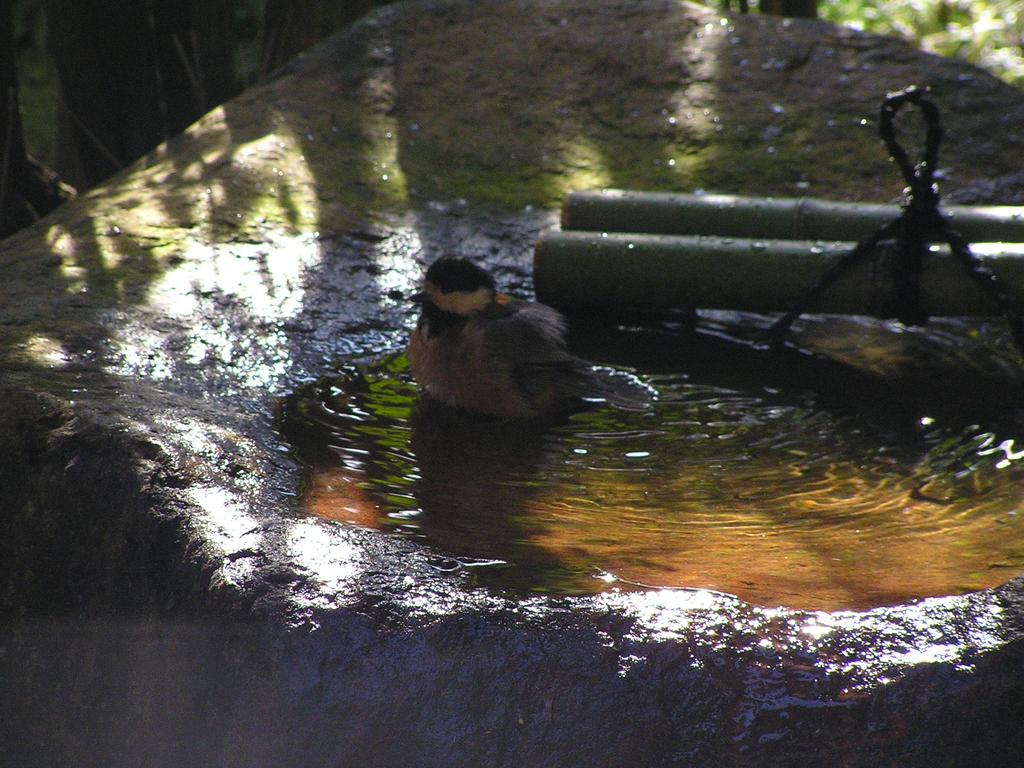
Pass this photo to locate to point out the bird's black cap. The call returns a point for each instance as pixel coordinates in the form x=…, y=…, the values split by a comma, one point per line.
x=453, y=274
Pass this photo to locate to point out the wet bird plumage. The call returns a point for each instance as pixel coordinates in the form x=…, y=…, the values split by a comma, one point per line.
x=485, y=351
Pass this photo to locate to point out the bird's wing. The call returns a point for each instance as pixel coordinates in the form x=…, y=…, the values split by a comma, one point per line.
x=526, y=343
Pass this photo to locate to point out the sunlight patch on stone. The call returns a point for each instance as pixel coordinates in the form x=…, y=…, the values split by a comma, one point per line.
x=61, y=243
x=397, y=268
x=47, y=352
x=145, y=356
x=265, y=278
x=234, y=299
x=323, y=553
x=588, y=167
x=228, y=525
x=916, y=636
x=669, y=614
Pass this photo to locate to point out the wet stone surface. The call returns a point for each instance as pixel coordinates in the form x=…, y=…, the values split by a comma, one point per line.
x=166, y=599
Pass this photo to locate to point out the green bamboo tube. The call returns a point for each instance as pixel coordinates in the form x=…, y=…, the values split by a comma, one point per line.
x=625, y=274
x=777, y=218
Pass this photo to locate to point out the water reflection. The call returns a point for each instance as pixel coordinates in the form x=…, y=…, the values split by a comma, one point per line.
x=762, y=491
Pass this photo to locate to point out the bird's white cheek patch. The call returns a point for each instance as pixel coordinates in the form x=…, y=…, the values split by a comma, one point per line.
x=458, y=302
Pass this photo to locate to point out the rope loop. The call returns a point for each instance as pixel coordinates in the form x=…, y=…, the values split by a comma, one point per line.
x=922, y=192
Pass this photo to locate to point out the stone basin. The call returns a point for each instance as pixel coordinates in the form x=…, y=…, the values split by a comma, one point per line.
x=165, y=599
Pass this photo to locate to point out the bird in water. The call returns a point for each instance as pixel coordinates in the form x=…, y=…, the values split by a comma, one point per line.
x=484, y=351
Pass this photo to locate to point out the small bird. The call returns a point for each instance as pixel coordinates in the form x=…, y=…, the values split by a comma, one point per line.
x=481, y=350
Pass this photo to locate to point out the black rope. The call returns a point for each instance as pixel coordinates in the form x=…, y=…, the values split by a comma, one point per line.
x=919, y=224
x=920, y=217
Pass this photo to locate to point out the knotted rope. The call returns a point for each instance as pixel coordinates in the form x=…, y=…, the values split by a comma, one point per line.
x=919, y=224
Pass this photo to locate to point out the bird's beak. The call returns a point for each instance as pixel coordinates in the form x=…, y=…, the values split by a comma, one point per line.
x=418, y=298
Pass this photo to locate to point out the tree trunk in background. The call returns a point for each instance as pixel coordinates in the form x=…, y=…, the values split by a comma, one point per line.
x=135, y=72
x=801, y=9
x=195, y=57
x=291, y=26
x=27, y=190
x=108, y=81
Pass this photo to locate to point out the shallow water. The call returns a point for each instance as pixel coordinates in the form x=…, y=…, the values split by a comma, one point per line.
x=796, y=487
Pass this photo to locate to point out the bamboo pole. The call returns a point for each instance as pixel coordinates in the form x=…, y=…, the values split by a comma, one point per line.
x=629, y=273
x=776, y=218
